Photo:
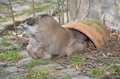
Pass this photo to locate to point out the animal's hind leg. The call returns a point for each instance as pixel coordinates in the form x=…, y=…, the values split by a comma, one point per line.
x=74, y=47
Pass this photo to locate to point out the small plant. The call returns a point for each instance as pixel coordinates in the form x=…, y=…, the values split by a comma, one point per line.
x=96, y=73
x=67, y=76
x=41, y=74
x=36, y=62
x=11, y=53
x=114, y=69
x=76, y=60
x=3, y=73
x=105, y=63
x=43, y=7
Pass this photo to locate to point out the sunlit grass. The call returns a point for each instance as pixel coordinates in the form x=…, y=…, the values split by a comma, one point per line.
x=2, y=73
x=67, y=76
x=5, y=43
x=77, y=60
x=95, y=73
x=40, y=74
x=11, y=53
x=36, y=62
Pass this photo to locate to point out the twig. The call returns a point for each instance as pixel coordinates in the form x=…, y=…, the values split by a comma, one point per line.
x=13, y=20
x=62, y=14
x=77, y=10
x=33, y=8
x=58, y=11
x=57, y=8
x=67, y=11
x=88, y=10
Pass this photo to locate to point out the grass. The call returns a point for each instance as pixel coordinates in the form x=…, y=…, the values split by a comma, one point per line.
x=95, y=73
x=43, y=7
x=5, y=43
x=19, y=0
x=3, y=73
x=41, y=74
x=38, y=8
x=114, y=69
x=36, y=62
x=12, y=54
x=67, y=76
x=111, y=66
x=3, y=3
x=77, y=60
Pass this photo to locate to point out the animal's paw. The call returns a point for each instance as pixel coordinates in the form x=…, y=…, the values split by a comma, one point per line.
x=46, y=56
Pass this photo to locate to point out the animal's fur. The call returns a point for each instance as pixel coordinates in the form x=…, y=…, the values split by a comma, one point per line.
x=47, y=38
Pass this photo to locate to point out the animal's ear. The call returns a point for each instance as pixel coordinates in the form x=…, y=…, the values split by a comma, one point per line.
x=44, y=15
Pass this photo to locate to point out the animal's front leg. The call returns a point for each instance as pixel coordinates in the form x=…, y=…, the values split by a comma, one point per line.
x=30, y=48
x=40, y=52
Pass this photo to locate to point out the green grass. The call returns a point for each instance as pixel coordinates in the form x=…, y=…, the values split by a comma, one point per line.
x=107, y=66
x=17, y=0
x=67, y=76
x=11, y=53
x=5, y=43
x=77, y=60
x=36, y=62
x=3, y=73
x=95, y=73
x=41, y=74
x=3, y=3
x=43, y=7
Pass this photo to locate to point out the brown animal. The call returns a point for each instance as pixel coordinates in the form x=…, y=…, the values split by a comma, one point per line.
x=48, y=38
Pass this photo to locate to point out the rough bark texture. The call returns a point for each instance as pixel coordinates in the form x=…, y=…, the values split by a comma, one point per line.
x=106, y=11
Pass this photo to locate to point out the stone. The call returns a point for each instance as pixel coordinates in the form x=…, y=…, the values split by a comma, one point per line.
x=9, y=59
x=21, y=8
x=8, y=22
x=24, y=61
x=23, y=54
x=49, y=67
x=23, y=17
x=81, y=77
x=1, y=39
x=39, y=13
x=14, y=75
x=44, y=1
x=1, y=14
x=3, y=27
x=15, y=5
x=71, y=72
x=2, y=63
x=10, y=69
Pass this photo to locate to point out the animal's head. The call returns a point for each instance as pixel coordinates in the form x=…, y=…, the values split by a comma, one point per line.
x=37, y=20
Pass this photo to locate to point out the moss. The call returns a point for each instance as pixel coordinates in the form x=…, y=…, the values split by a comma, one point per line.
x=102, y=26
x=97, y=25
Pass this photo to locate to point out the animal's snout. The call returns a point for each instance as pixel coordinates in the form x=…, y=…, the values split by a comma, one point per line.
x=30, y=23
